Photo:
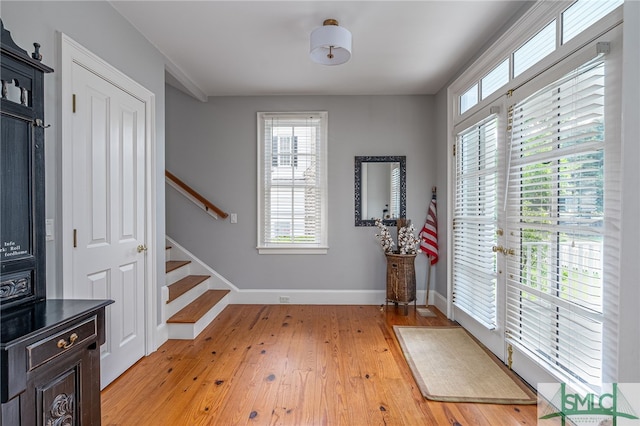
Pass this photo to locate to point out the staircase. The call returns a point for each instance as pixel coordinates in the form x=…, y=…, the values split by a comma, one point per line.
x=194, y=294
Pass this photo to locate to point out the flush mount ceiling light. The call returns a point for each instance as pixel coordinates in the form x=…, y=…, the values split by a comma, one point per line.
x=330, y=44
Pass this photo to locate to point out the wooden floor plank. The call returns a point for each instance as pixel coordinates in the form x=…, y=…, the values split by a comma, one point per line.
x=291, y=365
x=222, y=375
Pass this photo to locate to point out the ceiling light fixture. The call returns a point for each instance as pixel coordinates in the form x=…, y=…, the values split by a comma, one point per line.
x=330, y=44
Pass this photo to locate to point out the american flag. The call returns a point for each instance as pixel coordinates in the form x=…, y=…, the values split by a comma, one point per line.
x=429, y=233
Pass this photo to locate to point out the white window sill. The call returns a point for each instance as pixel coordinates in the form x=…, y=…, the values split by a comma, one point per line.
x=293, y=250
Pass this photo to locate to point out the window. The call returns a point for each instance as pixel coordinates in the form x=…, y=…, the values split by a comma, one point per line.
x=535, y=49
x=474, y=221
x=547, y=30
x=292, y=182
x=469, y=99
x=497, y=78
x=582, y=14
x=284, y=151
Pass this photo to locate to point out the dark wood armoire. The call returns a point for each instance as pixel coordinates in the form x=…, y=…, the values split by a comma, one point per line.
x=49, y=349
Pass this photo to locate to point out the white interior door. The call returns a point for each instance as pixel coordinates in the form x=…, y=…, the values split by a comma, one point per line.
x=109, y=213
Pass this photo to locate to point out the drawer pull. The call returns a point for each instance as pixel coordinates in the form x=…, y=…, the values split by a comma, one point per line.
x=63, y=343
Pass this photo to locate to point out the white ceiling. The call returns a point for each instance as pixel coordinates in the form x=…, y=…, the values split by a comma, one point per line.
x=236, y=48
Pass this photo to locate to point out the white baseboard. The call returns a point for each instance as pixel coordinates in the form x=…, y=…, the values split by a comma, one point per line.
x=162, y=335
x=323, y=297
x=297, y=296
x=439, y=301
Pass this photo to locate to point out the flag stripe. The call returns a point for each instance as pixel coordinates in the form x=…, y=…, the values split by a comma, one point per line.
x=429, y=234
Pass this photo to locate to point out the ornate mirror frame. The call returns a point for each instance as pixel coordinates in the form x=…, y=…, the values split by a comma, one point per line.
x=358, y=187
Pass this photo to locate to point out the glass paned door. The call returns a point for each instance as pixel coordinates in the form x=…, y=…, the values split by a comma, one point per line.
x=555, y=224
x=475, y=231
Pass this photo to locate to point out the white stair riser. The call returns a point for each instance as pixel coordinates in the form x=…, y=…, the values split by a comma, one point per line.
x=191, y=331
x=178, y=274
x=186, y=298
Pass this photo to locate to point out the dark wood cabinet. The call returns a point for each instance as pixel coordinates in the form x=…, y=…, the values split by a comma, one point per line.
x=22, y=221
x=49, y=349
x=50, y=362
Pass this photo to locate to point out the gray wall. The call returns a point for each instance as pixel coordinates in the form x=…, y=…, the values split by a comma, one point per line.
x=99, y=28
x=212, y=147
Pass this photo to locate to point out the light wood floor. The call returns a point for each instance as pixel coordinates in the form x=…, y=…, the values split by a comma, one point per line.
x=290, y=365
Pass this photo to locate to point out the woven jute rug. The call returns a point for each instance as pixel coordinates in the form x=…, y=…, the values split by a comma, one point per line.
x=449, y=365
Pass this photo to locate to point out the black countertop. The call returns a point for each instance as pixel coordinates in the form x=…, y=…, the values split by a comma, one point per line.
x=20, y=323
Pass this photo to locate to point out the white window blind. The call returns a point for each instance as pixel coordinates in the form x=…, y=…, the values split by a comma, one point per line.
x=555, y=223
x=292, y=189
x=474, y=222
x=394, y=206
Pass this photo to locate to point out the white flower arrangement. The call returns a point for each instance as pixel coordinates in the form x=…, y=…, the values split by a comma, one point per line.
x=386, y=241
x=407, y=241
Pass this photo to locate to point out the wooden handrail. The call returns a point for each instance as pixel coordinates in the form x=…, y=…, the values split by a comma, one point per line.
x=206, y=204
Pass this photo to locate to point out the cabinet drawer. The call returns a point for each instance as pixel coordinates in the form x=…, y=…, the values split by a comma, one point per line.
x=60, y=343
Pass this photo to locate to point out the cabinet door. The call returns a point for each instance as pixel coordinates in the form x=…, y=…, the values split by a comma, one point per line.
x=64, y=391
x=58, y=400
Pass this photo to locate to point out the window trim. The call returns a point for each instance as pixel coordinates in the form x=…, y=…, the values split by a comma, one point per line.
x=322, y=247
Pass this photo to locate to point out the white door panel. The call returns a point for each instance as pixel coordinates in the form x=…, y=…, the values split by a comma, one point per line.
x=108, y=213
x=491, y=339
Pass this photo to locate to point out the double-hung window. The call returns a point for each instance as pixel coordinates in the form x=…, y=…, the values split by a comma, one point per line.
x=292, y=182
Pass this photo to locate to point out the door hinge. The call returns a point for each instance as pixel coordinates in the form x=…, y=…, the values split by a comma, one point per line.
x=73, y=103
x=510, y=356
x=75, y=238
x=454, y=150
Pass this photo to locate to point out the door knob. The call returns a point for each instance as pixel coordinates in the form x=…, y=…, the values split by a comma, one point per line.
x=142, y=248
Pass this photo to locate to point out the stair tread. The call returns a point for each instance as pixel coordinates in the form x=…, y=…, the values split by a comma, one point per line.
x=185, y=284
x=175, y=264
x=194, y=311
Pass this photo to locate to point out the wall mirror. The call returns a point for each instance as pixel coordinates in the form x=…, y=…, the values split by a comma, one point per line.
x=380, y=189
